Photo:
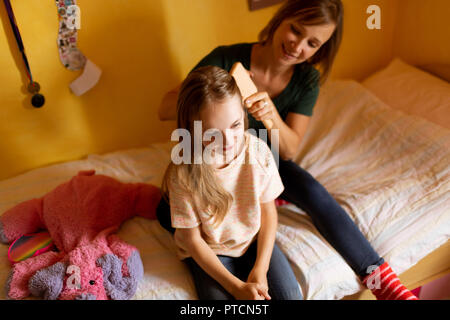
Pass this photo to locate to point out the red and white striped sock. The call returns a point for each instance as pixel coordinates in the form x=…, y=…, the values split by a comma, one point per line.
x=280, y=202
x=385, y=285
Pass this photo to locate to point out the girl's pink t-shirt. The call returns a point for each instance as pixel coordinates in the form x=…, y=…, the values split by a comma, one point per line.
x=251, y=178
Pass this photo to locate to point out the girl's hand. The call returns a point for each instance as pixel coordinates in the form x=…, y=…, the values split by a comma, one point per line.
x=260, y=106
x=257, y=276
x=248, y=291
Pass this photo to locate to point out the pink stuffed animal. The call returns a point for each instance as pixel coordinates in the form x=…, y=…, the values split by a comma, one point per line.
x=81, y=217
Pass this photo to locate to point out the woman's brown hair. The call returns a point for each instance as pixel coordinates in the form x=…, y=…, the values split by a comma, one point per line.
x=311, y=12
x=202, y=88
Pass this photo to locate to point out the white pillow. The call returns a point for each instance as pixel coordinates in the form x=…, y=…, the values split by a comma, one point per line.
x=412, y=91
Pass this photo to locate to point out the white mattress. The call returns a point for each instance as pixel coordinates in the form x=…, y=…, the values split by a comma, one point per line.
x=389, y=171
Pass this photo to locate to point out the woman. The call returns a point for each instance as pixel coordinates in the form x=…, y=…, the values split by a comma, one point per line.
x=302, y=34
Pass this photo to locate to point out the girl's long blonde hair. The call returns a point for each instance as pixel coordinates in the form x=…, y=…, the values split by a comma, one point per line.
x=202, y=88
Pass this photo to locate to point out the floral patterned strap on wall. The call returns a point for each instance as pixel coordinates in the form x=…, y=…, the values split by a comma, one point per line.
x=69, y=22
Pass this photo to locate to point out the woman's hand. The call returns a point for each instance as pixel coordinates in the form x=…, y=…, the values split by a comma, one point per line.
x=248, y=291
x=260, y=106
x=260, y=277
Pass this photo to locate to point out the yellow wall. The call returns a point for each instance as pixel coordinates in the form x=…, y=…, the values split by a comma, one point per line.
x=364, y=51
x=422, y=34
x=144, y=49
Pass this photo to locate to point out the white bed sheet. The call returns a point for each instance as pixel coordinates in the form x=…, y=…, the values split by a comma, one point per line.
x=388, y=170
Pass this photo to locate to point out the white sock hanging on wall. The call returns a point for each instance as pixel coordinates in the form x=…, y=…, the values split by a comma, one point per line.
x=71, y=57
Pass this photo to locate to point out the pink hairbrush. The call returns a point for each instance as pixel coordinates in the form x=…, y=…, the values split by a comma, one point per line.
x=246, y=85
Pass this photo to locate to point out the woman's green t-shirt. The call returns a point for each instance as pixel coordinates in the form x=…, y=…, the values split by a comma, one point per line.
x=299, y=96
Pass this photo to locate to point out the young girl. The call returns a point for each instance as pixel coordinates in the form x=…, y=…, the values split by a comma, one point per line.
x=223, y=208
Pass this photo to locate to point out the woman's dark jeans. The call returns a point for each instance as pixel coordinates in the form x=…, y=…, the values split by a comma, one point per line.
x=333, y=223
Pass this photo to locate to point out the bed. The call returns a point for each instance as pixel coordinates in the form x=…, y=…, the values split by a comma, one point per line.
x=387, y=167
